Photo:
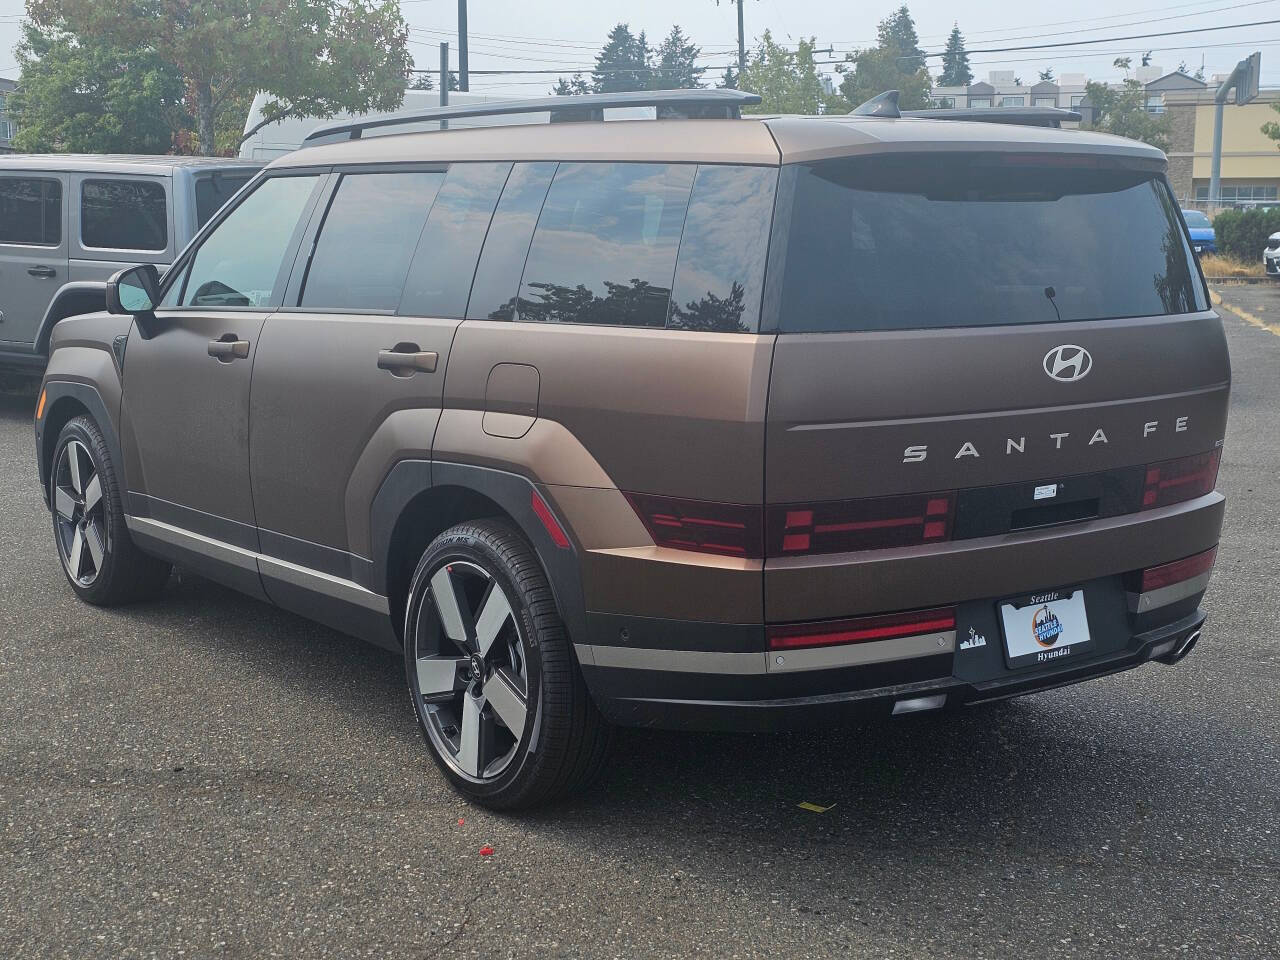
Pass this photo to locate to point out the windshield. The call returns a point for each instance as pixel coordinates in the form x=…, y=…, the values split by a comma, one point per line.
x=1195, y=218
x=938, y=240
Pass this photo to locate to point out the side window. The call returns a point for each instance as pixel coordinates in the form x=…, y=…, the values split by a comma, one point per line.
x=213, y=190
x=30, y=211
x=124, y=215
x=720, y=273
x=239, y=263
x=604, y=250
x=440, y=279
x=369, y=234
x=493, y=295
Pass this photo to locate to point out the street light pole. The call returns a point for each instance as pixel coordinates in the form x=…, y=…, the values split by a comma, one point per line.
x=444, y=81
x=464, y=82
x=742, y=44
x=1244, y=79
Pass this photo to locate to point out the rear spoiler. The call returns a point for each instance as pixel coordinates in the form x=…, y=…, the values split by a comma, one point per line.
x=886, y=105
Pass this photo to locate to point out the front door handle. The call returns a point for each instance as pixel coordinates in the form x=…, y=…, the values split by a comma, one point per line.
x=404, y=359
x=43, y=272
x=228, y=349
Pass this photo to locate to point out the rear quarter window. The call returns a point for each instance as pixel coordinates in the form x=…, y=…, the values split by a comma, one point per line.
x=903, y=242
x=124, y=215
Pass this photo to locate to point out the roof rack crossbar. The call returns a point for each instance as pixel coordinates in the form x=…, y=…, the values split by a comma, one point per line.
x=694, y=103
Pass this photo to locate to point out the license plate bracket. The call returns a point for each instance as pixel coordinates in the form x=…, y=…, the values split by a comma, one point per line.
x=1045, y=627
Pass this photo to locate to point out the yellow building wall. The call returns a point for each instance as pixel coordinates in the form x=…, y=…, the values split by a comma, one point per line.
x=1247, y=153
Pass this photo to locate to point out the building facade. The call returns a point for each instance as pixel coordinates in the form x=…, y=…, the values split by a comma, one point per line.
x=1250, y=159
x=7, y=127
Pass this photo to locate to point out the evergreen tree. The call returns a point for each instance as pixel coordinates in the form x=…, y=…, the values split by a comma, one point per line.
x=896, y=63
x=1046, y=75
x=677, y=63
x=571, y=87
x=955, y=62
x=729, y=79
x=623, y=62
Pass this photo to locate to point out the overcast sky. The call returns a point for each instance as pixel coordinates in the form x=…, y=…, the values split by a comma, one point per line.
x=564, y=34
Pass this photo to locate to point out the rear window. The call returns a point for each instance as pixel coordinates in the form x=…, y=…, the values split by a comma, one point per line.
x=902, y=242
x=124, y=215
x=213, y=191
x=30, y=211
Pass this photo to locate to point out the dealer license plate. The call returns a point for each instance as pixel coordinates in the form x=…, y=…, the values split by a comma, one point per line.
x=1045, y=627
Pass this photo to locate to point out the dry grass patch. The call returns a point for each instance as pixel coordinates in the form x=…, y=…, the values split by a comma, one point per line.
x=1217, y=265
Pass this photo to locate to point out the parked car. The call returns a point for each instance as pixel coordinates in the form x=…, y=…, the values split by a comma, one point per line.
x=1203, y=239
x=1271, y=255
x=525, y=405
x=68, y=222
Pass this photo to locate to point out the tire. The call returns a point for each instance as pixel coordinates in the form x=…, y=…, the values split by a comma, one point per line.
x=100, y=561
x=493, y=680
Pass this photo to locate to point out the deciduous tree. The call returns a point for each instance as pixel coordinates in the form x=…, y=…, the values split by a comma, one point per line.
x=895, y=63
x=1123, y=111
x=787, y=82
x=314, y=57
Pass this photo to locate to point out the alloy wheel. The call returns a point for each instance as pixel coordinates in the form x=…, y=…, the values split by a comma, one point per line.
x=472, y=676
x=79, y=513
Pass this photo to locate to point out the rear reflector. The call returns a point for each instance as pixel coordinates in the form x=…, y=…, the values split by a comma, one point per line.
x=830, y=633
x=730, y=529
x=1153, y=578
x=840, y=526
x=548, y=520
x=1186, y=478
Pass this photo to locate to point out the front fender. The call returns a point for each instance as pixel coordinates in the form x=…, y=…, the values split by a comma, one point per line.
x=79, y=296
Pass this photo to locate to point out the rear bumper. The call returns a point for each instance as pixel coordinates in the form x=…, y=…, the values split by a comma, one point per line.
x=694, y=701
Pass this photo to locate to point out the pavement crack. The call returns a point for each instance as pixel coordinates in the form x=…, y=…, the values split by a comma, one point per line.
x=462, y=926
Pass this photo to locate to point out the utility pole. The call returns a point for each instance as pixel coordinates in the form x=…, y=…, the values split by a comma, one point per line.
x=1244, y=79
x=742, y=43
x=464, y=82
x=444, y=81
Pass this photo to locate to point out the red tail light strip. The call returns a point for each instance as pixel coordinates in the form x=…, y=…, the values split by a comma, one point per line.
x=793, y=636
x=1188, y=568
x=1186, y=478
x=728, y=529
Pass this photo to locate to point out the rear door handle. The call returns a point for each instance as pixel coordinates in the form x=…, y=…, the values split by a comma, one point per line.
x=228, y=349
x=405, y=359
x=43, y=272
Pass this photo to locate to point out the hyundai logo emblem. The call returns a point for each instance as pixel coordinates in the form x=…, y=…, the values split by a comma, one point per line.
x=1068, y=363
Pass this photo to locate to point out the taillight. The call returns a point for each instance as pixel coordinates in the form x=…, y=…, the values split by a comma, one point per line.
x=731, y=529
x=845, y=525
x=1153, y=578
x=1186, y=478
x=829, y=633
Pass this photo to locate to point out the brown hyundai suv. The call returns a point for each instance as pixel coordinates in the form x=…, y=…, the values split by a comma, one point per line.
x=700, y=421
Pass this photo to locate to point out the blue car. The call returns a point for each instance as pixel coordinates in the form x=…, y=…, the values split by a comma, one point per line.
x=1202, y=235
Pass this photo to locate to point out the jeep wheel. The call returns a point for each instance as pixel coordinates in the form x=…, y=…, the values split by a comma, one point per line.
x=101, y=563
x=494, y=684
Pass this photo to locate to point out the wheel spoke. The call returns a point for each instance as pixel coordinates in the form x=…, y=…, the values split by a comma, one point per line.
x=92, y=493
x=469, y=738
x=93, y=540
x=73, y=466
x=76, y=558
x=494, y=613
x=506, y=701
x=438, y=676
x=64, y=503
x=447, y=603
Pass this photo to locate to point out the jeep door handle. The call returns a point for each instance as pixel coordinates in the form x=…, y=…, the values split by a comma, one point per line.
x=227, y=350
x=400, y=360
x=43, y=272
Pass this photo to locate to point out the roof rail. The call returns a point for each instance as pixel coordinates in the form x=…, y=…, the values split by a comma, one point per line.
x=1023, y=116
x=670, y=104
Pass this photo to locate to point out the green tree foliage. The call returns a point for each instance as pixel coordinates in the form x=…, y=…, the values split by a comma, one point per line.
x=955, y=62
x=895, y=63
x=574, y=85
x=623, y=62
x=1123, y=111
x=427, y=81
x=94, y=97
x=1243, y=233
x=1272, y=127
x=314, y=57
x=729, y=79
x=677, y=63
x=787, y=82
x=1046, y=75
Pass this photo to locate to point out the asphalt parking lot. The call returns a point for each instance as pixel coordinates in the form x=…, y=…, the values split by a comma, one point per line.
x=207, y=776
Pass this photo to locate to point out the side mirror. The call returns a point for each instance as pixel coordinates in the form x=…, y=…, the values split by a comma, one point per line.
x=134, y=291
